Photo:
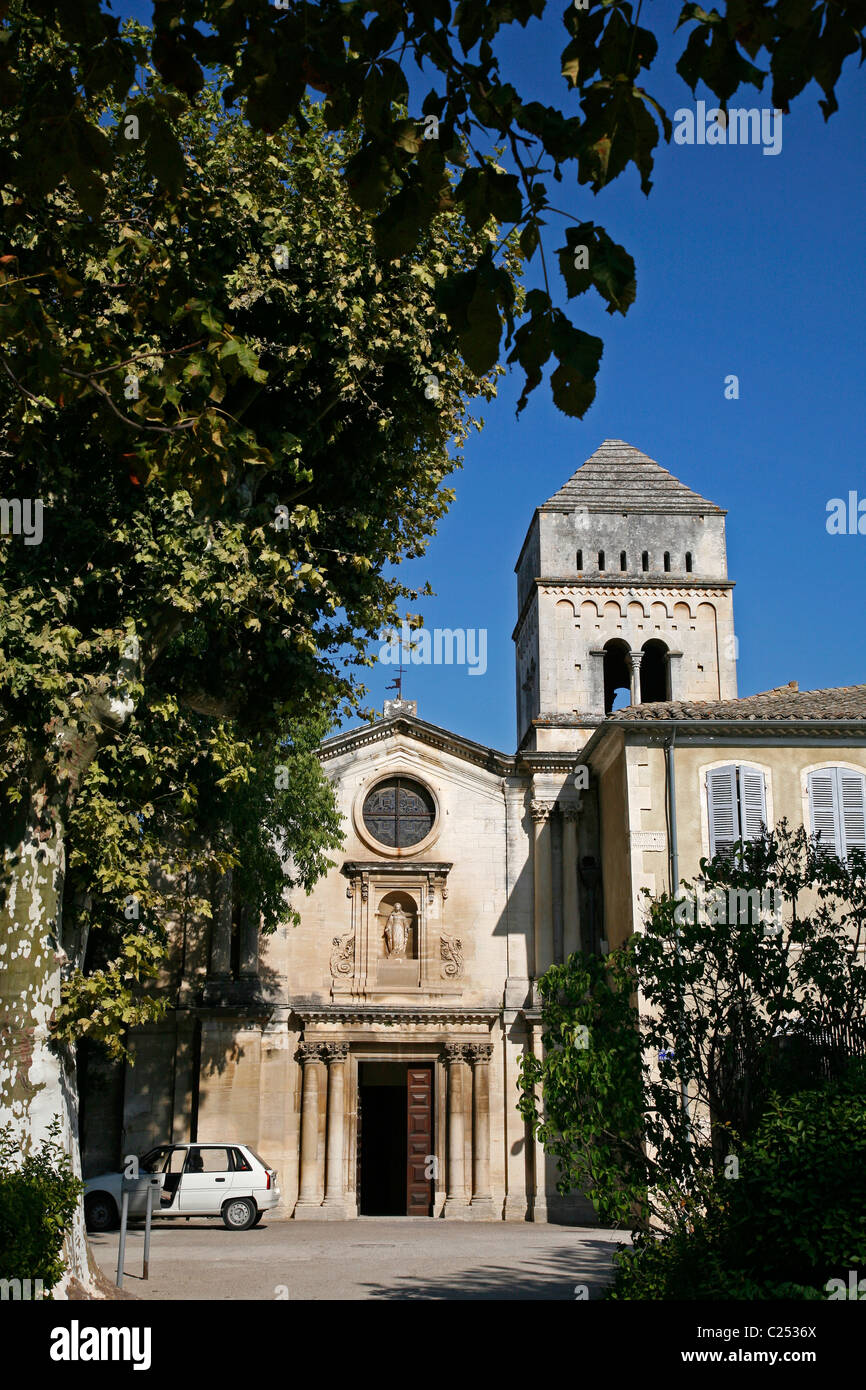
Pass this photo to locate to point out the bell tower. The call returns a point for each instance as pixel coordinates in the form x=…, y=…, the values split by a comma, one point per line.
x=623, y=598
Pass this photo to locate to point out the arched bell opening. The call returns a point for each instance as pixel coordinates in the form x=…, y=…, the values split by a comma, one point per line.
x=617, y=676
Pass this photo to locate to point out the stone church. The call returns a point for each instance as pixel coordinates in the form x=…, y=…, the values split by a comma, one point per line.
x=371, y=1053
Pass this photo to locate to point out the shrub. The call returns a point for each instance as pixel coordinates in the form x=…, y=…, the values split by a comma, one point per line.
x=38, y=1197
x=794, y=1218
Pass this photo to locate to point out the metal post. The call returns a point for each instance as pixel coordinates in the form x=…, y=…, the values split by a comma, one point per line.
x=144, y=1273
x=121, y=1248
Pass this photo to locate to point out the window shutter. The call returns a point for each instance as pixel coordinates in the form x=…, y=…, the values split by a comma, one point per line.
x=722, y=809
x=753, y=802
x=823, y=810
x=852, y=800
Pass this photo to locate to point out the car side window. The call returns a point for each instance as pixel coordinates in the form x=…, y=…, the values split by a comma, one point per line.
x=175, y=1163
x=155, y=1161
x=242, y=1165
x=207, y=1160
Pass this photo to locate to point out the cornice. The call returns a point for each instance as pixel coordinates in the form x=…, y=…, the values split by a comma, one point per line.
x=611, y=581
x=400, y=867
x=384, y=1014
x=431, y=735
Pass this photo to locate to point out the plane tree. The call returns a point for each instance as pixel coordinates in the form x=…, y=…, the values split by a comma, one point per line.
x=225, y=507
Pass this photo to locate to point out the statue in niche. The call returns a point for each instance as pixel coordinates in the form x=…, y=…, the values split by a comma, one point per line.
x=397, y=933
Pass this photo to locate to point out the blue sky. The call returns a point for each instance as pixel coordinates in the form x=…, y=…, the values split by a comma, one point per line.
x=747, y=264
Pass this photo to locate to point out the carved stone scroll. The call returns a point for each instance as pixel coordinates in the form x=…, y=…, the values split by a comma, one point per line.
x=343, y=954
x=451, y=952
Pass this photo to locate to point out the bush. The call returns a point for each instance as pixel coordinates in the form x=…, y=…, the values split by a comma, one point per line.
x=38, y=1197
x=794, y=1218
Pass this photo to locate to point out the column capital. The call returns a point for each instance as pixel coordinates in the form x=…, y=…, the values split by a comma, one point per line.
x=479, y=1054
x=635, y=659
x=570, y=810
x=541, y=811
x=454, y=1052
x=310, y=1052
x=335, y=1051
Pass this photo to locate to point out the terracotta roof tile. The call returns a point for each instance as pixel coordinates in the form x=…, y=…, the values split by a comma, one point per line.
x=785, y=702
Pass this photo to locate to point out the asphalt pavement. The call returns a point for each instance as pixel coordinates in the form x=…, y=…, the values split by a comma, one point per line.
x=371, y=1257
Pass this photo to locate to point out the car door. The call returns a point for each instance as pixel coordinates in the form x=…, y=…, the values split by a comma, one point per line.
x=206, y=1181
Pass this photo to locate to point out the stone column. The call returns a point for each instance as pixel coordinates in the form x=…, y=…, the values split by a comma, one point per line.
x=517, y=1137
x=541, y=812
x=570, y=905
x=221, y=928
x=309, y=1194
x=335, y=1197
x=634, y=661
x=249, y=953
x=482, y=1195
x=455, y=1201
x=539, y=1185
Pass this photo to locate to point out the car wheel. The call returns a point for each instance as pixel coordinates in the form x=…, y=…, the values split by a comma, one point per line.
x=100, y=1212
x=239, y=1213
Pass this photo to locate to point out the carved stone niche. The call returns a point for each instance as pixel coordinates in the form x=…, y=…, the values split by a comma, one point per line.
x=397, y=944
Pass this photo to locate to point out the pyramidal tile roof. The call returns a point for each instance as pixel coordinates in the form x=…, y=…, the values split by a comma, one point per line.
x=619, y=478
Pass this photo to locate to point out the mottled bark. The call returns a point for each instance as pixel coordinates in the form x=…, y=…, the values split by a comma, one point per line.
x=38, y=1079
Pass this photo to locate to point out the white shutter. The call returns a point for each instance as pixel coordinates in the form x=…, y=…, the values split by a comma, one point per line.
x=722, y=809
x=823, y=810
x=753, y=802
x=852, y=801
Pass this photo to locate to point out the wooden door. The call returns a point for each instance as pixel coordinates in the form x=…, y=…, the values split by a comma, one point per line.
x=419, y=1146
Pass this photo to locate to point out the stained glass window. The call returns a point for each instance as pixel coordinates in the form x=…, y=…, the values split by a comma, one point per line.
x=399, y=813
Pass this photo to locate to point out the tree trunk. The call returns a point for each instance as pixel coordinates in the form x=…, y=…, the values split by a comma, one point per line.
x=37, y=1079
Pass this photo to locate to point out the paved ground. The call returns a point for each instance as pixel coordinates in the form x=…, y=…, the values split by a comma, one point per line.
x=372, y=1257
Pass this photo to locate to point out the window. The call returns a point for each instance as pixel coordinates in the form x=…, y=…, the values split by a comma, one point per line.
x=623, y=562
x=644, y=561
x=241, y=1164
x=667, y=562
x=155, y=1161
x=209, y=1160
x=736, y=805
x=837, y=809
x=601, y=560
x=399, y=813
x=580, y=560
x=688, y=562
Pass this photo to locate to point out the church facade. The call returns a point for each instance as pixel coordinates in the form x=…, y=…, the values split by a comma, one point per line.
x=372, y=1053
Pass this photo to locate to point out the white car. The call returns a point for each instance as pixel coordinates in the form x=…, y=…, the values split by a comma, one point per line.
x=212, y=1179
